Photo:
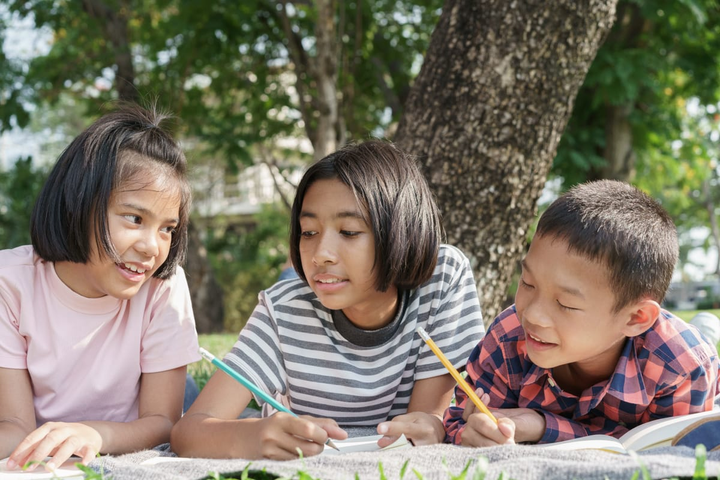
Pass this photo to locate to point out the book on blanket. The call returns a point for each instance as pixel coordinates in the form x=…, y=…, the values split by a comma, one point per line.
x=365, y=444
x=66, y=470
x=656, y=433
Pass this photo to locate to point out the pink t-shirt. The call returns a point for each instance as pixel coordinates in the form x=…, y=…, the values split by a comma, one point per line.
x=85, y=355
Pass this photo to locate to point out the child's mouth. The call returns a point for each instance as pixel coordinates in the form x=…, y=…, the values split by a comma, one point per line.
x=132, y=273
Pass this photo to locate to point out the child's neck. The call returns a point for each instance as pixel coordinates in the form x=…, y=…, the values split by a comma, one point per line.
x=577, y=377
x=376, y=313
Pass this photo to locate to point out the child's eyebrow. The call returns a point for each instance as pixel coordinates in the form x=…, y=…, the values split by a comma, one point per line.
x=569, y=290
x=148, y=213
x=343, y=214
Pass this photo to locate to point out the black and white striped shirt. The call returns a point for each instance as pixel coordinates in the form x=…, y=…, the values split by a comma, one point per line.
x=320, y=364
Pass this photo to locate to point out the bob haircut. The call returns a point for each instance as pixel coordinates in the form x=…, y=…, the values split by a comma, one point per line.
x=615, y=224
x=398, y=205
x=124, y=146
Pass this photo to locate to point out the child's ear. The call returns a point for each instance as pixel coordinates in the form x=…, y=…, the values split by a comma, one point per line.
x=643, y=314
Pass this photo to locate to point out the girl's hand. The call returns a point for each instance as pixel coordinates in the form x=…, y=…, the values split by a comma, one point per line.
x=58, y=440
x=420, y=427
x=281, y=435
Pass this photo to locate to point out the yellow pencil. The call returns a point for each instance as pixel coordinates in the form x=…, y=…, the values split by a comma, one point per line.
x=455, y=374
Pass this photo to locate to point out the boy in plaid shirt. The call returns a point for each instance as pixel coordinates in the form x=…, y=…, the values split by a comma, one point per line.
x=586, y=348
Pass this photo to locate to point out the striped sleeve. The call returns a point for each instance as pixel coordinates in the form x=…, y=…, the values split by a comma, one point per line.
x=256, y=355
x=455, y=321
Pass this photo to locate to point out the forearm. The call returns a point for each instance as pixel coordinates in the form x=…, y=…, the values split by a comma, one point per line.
x=559, y=428
x=140, y=434
x=11, y=434
x=199, y=435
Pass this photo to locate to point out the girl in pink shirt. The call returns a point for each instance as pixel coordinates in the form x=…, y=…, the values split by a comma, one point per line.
x=96, y=326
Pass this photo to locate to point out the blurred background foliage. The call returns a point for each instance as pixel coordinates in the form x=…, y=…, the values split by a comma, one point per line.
x=245, y=80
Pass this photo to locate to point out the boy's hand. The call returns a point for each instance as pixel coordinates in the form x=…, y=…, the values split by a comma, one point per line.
x=281, y=435
x=60, y=441
x=420, y=427
x=515, y=425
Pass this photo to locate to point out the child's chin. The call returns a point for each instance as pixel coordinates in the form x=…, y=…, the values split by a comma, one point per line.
x=542, y=362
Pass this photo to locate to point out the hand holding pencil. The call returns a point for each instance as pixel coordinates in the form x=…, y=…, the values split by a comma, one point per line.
x=252, y=387
x=455, y=374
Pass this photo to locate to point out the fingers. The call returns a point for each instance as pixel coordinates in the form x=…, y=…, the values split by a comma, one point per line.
x=481, y=431
x=330, y=426
x=283, y=435
x=470, y=407
x=27, y=450
x=58, y=440
x=420, y=427
x=66, y=450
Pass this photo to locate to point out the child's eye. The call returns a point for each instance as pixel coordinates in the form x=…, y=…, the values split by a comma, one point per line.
x=525, y=284
x=563, y=307
x=133, y=218
x=169, y=230
x=308, y=233
x=349, y=233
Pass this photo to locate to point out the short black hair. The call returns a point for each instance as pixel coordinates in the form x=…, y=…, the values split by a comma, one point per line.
x=71, y=210
x=616, y=224
x=401, y=211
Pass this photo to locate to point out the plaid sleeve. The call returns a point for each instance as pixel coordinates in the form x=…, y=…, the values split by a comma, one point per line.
x=558, y=429
x=689, y=393
x=485, y=369
x=682, y=371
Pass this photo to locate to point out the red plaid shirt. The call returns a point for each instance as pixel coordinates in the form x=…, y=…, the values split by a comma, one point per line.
x=668, y=370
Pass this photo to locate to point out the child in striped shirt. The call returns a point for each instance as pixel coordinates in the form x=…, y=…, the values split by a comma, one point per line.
x=338, y=344
x=586, y=349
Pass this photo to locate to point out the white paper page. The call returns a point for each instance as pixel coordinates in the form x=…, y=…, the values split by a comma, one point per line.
x=364, y=444
x=592, y=442
x=66, y=470
x=661, y=432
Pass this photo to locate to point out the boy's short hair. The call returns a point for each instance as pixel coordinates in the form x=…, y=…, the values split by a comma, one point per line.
x=616, y=224
x=126, y=145
x=401, y=211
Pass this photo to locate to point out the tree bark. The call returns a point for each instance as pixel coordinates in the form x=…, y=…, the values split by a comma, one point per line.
x=619, y=153
x=115, y=29
x=206, y=293
x=709, y=205
x=485, y=116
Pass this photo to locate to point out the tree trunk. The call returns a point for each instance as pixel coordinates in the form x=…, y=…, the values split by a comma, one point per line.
x=207, y=296
x=485, y=116
x=619, y=153
x=709, y=204
x=115, y=29
x=325, y=73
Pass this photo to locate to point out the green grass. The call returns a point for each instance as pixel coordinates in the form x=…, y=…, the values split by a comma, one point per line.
x=218, y=344
x=687, y=315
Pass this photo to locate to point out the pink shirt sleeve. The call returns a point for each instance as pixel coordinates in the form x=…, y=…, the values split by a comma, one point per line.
x=169, y=338
x=13, y=347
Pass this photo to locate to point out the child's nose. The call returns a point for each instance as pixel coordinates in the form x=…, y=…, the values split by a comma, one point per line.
x=535, y=314
x=148, y=245
x=325, y=252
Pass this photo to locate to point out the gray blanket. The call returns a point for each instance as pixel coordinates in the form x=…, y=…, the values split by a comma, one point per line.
x=432, y=462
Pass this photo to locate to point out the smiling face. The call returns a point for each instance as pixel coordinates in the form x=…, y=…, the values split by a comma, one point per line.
x=337, y=250
x=141, y=224
x=565, y=304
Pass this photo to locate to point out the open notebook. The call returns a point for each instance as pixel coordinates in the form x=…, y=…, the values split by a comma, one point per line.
x=365, y=444
x=66, y=470
x=657, y=433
